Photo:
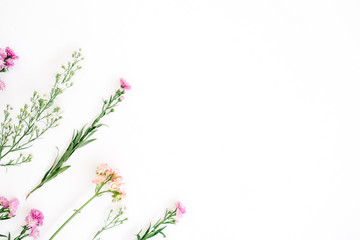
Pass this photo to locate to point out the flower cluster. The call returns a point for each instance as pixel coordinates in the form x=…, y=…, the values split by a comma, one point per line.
x=111, y=177
x=8, y=208
x=33, y=221
x=7, y=57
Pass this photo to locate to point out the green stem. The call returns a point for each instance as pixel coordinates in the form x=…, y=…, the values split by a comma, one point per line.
x=76, y=212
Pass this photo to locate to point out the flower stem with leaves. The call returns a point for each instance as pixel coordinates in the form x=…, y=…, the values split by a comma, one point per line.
x=34, y=119
x=111, y=222
x=115, y=183
x=161, y=224
x=80, y=138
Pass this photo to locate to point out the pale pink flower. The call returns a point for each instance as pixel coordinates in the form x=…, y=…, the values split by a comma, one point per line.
x=124, y=84
x=11, y=53
x=35, y=233
x=121, y=97
x=31, y=223
x=181, y=210
x=2, y=85
x=115, y=185
x=3, y=201
x=9, y=62
x=2, y=64
x=103, y=169
x=3, y=54
x=13, y=206
x=99, y=179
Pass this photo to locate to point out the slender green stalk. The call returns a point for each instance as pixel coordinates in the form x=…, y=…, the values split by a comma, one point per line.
x=34, y=119
x=111, y=222
x=98, y=193
x=160, y=225
x=80, y=138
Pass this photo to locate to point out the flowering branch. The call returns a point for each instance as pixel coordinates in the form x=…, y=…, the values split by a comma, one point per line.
x=81, y=138
x=8, y=208
x=111, y=222
x=105, y=176
x=33, y=221
x=35, y=119
x=170, y=217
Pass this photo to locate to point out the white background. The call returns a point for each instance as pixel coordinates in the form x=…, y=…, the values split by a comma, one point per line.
x=246, y=111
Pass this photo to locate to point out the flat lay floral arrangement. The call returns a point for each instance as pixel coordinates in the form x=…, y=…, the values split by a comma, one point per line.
x=34, y=119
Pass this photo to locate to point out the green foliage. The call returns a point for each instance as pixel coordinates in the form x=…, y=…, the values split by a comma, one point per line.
x=80, y=139
x=34, y=119
x=110, y=222
x=160, y=225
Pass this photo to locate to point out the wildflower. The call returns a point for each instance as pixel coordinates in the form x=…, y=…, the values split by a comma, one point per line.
x=180, y=210
x=10, y=53
x=2, y=85
x=124, y=84
x=13, y=206
x=3, y=54
x=99, y=179
x=4, y=202
x=9, y=62
x=35, y=233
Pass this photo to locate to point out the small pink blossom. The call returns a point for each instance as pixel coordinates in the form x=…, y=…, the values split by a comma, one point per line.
x=2, y=64
x=3, y=54
x=13, y=206
x=181, y=210
x=116, y=185
x=9, y=62
x=103, y=169
x=11, y=53
x=2, y=85
x=124, y=84
x=35, y=233
x=99, y=179
x=31, y=223
x=122, y=97
x=3, y=201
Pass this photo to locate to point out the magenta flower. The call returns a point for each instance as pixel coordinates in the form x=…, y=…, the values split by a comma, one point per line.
x=181, y=210
x=37, y=215
x=10, y=53
x=3, y=200
x=124, y=84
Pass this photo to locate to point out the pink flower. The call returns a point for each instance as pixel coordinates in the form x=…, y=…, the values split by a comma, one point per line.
x=99, y=179
x=124, y=84
x=11, y=53
x=31, y=223
x=35, y=233
x=181, y=210
x=13, y=206
x=3, y=201
x=2, y=85
x=37, y=215
x=122, y=97
x=103, y=169
x=2, y=63
x=116, y=185
x=9, y=62
x=2, y=53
